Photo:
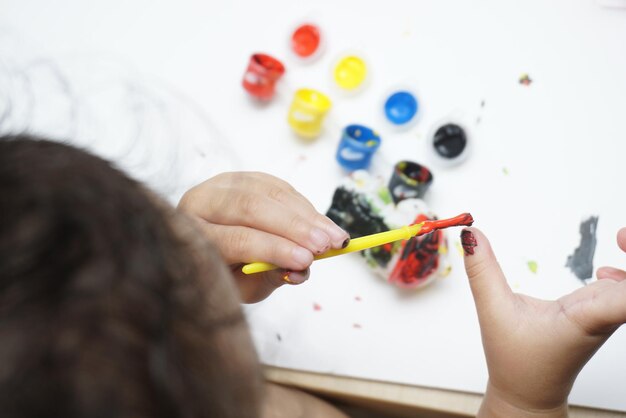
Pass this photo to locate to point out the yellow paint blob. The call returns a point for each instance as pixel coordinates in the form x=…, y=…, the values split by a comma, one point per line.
x=350, y=72
x=307, y=112
x=459, y=248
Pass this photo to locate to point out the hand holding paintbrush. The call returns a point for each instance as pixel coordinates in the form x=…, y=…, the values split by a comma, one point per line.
x=370, y=241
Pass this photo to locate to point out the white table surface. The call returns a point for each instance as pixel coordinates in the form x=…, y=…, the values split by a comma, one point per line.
x=177, y=67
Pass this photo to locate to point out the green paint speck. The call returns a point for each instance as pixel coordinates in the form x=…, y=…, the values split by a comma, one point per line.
x=384, y=195
x=505, y=171
x=532, y=266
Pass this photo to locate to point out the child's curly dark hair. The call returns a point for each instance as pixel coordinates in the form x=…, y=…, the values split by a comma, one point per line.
x=110, y=304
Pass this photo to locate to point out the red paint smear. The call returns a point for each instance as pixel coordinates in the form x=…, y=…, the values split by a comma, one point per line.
x=468, y=241
x=419, y=256
x=317, y=307
x=305, y=40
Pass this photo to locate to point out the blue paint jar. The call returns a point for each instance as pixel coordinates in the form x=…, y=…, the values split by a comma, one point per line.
x=357, y=146
x=401, y=107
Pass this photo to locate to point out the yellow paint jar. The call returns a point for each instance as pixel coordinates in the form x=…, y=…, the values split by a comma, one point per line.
x=350, y=72
x=307, y=112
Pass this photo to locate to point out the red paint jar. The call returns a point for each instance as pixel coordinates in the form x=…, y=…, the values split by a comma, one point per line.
x=261, y=76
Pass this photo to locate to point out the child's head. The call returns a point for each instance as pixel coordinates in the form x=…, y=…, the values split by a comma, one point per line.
x=110, y=304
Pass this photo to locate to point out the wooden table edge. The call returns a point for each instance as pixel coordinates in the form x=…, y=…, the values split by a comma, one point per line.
x=398, y=399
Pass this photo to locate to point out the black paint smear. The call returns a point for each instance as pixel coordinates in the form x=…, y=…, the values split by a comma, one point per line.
x=352, y=212
x=278, y=337
x=581, y=261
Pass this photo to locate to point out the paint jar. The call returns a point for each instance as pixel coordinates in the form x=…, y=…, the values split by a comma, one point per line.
x=306, y=41
x=409, y=180
x=449, y=142
x=357, y=146
x=261, y=76
x=401, y=108
x=350, y=73
x=307, y=112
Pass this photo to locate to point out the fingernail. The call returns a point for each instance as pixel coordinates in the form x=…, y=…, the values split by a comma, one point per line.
x=609, y=273
x=337, y=235
x=468, y=241
x=296, y=277
x=320, y=239
x=302, y=256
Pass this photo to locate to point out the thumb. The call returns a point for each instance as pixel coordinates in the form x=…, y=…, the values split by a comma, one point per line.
x=490, y=289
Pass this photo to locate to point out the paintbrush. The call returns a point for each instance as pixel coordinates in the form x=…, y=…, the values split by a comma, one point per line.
x=374, y=240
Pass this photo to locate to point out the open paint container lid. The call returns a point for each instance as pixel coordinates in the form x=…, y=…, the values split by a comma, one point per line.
x=307, y=41
x=350, y=72
x=449, y=141
x=401, y=107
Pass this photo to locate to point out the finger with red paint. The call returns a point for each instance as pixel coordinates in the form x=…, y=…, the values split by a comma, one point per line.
x=612, y=272
x=535, y=348
x=258, y=217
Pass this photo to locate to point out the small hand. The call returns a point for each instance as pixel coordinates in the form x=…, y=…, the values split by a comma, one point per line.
x=257, y=217
x=536, y=348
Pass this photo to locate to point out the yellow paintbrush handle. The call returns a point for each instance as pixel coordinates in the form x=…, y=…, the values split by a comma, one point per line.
x=357, y=244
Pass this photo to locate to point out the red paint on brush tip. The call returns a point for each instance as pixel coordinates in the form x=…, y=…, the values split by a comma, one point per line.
x=468, y=241
x=464, y=219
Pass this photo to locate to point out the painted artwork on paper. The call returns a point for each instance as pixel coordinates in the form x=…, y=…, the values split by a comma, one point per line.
x=363, y=205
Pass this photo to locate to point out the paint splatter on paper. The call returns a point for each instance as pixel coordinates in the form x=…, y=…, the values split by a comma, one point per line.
x=363, y=205
x=446, y=271
x=532, y=266
x=317, y=307
x=356, y=326
x=525, y=79
x=581, y=260
x=459, y=248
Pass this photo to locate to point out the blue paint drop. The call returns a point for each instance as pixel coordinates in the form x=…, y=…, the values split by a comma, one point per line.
x=401, y=107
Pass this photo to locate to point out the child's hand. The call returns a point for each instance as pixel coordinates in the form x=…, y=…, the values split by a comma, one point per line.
x=535, y=348
x=258, y=217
